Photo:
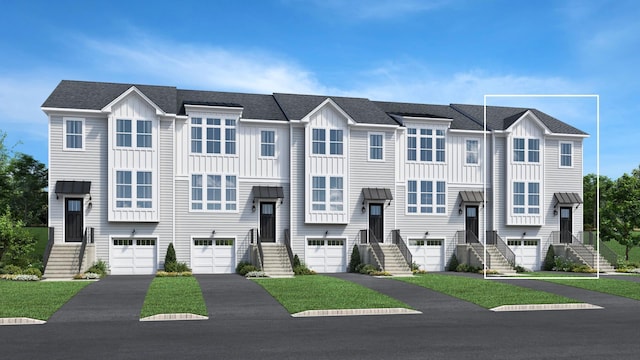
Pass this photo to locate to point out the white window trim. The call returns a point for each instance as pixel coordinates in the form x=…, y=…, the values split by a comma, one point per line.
x=526, y=205
x=223, y=194
x=369, y=146
x=434, y=192
x=327, y=195
x=275, y=144
x=466, y=152
x=434, y=144
x=560, y=154
x=223, y=134
x=134, y=191
x=526, y=151
x=64, y=134
x=328, y=142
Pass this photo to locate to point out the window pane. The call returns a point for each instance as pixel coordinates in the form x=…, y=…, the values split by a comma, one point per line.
x=318, y=141
x=534, y=150
x=267, y=147
x=518, y=149
x=143, y=130
x=335, y=139
x=123, y=132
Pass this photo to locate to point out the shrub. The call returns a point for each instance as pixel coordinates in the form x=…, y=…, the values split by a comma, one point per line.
x=254, y=274
x=367, y=269
x=520, y=269
x=32, y=271
x=380, y=273
x=12, y=269
x=99, y=267
x=240, y=265
x=582, y=269
x=23, y=277
x=562, y=264
x=170, y=257
x=176, y=267
x=302, y=269
x=87, y=276
x=246, y=268
x=549, y=259
x=173, y=274
x=467, y=268
x=453, y=263
x=296, y=261
x=355, y=259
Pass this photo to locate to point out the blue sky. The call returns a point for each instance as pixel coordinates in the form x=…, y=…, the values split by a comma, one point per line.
x=437, y=52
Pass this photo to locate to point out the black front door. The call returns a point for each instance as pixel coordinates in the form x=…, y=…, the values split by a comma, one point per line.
x=268, y=222
x=376, y=221
x=73, y=220
x=471, y=223
x=566, y=226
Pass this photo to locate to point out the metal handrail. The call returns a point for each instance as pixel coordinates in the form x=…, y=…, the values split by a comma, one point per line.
x=460, y=237
x=576, y=245
x=494, y=239
x=606, y=252
x=402, y=246
x=87, y=237
x=47, y=250
x=377, y=250
x=363, y=237
x=255, y=235
x=287, y=243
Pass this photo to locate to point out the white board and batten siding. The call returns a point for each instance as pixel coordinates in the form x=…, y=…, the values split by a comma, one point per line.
x=133, y=107
x=459, y=172
x=253, y=165
x=328, y=118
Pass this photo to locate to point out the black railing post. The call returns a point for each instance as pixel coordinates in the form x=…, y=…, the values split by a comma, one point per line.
x=47, y=250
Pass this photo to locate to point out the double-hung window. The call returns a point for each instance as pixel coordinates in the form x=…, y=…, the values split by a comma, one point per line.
x=123, y=189
x=472, y=150
x=534, y=198
x=318, y=193
x=74, y=133
x=566, y=154
x=230, y=136
x=267, y=143
x=376, y=147
x=534, y=150
x=123, y=132
x=318, y=141
x=213, y=136
x=518, y=197
x=440, y=145
x=320, y=186
x=529, y=147
x=143, y=136
x=518, y=149
x=411, y=144
x=144, y=191
x=431, y=143
x=210, y=193
x=336, y=194
x=432, y=197
x=426, y=145
x=210, y=131
x=335, y=142
x=196, y=135
x=526, y=197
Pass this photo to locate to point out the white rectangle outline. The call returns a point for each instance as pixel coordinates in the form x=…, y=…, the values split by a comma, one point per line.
x=484, y=187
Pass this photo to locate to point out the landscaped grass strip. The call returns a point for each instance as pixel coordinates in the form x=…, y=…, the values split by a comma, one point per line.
x=172, y=295
x=628, y=289
x=317, y=292
x=486, y=293
x=36, y=300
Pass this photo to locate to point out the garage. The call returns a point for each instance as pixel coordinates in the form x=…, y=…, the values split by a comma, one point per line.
x=428, y=253
x=326, y=255
x=133, y=256
x=213, y=256
x=527, y=252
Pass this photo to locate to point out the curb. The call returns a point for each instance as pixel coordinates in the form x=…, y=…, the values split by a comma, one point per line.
x=21, y=321
x=356, y=312
x=174, y=317
x=544, y=307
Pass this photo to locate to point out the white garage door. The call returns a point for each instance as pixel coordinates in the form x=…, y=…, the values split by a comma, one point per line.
x=428, y=254
x=326, y=255
x=133, y=256
x=527, y=253
x=213, y=256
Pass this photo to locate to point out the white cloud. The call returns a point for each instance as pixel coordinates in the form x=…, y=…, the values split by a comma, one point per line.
x=20, y=98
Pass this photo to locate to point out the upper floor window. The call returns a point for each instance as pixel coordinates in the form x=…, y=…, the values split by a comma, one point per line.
x=534, y=150
x=319, y=189
x=143, y=129
x=123, y=133
x=318, y=141
x=518, y=149
x=335, y=142
x=268, y=143
x=430, y=201
x=566, y=155
x=213, y=129
x=124, y=189
x=472, y=150
x=74, y=134
x=426, y=138
x=209, y=195
x=376, y=147
x=526, y=197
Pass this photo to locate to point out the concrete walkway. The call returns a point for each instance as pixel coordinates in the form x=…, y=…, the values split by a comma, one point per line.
x=232, y=296
x=114, y=298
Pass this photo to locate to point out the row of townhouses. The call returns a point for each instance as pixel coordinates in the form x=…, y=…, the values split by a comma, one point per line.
x=230, y=177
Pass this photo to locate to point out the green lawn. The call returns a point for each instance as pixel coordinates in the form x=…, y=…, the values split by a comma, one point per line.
x=41, y=234
x=634, y=253
x=628, y=289
x=319, y=292
x=37, y=300
x=171, y=295
x=486, y=293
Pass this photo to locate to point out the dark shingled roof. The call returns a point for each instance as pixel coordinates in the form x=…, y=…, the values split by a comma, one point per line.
x=459, y=121
x=360, y=110
x=500, y=118
x=88, y=95
x=254, y=106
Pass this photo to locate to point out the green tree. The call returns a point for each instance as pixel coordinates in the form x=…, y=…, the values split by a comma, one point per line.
x=16, y=243
x=620, y=211
x=28, y=180
x=590, y=187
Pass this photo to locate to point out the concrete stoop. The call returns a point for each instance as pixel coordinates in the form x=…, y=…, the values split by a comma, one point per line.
x=276, y=260
x=394, y=262
x=63, y=261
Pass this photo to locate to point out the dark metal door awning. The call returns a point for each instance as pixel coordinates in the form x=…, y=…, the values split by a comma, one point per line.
x=474, y=197
x=567, y=198
x=268, y=192
x=73, y=187
x=377, y=194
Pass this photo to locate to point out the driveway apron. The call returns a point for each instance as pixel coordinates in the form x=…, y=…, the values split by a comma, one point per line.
x=231, y=296
x=114, y=298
